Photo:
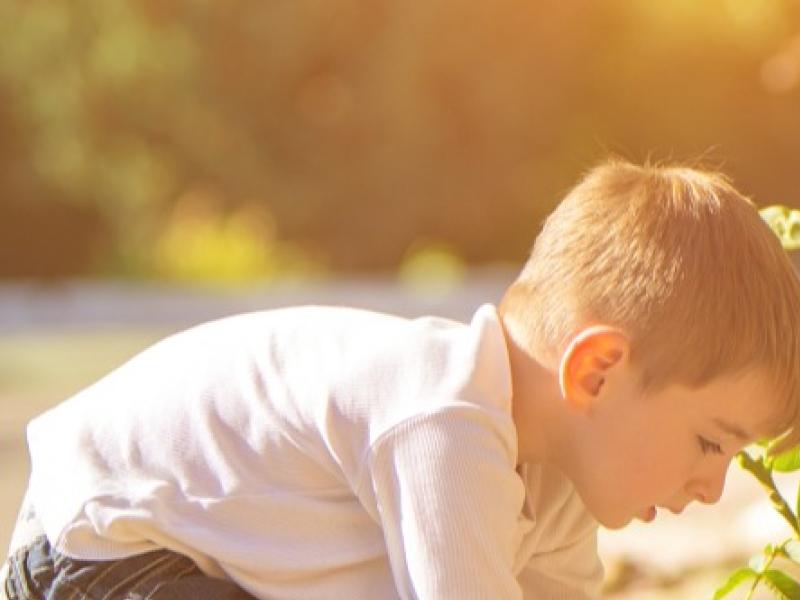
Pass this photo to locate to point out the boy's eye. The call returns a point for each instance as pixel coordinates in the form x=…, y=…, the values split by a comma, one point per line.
x=708, y=446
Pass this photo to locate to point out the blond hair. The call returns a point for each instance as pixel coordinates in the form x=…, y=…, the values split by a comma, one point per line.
x=678, y=260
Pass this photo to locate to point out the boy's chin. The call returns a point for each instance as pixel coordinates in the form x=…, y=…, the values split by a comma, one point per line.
x=646, y=515
x=619, y=520
x=617, y=523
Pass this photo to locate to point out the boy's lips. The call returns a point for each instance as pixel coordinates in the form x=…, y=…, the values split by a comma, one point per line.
x=648, y=514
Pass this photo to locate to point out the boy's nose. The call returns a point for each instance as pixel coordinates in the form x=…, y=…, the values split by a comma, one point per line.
x=708, y=488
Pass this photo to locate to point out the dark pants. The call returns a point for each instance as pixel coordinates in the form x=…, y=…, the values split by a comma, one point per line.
x=37, y=572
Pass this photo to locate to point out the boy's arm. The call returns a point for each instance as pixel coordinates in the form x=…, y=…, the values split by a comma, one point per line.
x=449, y=498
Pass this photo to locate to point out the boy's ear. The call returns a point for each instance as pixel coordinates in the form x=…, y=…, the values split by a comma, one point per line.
x=587, y=360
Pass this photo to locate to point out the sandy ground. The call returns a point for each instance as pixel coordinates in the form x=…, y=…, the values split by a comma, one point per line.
x=55, y=340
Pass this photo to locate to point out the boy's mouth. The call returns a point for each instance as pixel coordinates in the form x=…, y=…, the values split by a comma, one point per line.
x=648, y=514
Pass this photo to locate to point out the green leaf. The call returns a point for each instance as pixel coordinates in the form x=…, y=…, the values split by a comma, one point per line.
x=735, y=580
x=757, y=562
x=781, y=583
x=797, y=501
x=787, y=462
x=791, y=550
x=785, y=222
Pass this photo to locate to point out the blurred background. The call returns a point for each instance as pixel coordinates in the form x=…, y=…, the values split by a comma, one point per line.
x=163, y=162
x=197, y=140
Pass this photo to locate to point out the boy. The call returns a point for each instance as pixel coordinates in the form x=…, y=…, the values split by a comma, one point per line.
x=323, y=453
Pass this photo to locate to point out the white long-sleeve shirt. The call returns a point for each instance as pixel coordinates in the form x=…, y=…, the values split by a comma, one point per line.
x=315, y=453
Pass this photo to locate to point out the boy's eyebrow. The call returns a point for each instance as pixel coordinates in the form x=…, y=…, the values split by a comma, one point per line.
x=734, y=430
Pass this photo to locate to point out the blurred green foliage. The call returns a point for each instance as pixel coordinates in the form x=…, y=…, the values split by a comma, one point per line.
x=431, y=268
x=355, y=128
x=785, y=222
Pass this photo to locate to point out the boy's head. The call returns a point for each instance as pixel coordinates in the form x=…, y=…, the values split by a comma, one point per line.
x=670, y=272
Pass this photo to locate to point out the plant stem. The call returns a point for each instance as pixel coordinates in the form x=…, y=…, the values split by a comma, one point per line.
x=775, y=551
x=764, y=475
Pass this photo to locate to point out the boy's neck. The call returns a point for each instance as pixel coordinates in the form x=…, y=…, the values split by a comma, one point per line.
x=536, y=398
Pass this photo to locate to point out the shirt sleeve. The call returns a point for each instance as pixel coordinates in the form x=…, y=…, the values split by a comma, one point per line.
x=448, y=498
x=570, y=572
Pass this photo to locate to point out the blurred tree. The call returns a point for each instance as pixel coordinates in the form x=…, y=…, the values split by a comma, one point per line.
x=360, y=126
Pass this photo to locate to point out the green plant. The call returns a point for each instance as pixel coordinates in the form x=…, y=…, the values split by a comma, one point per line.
x=761, y=569
x=785, y=222
x=761, y=464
